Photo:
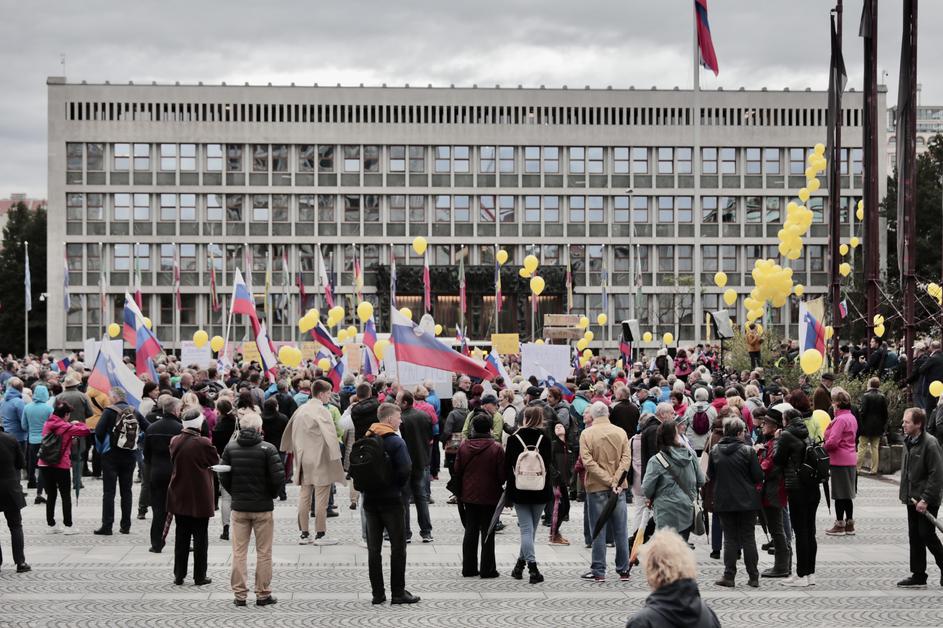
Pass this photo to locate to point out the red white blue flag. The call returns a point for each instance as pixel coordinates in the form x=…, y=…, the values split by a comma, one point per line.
x=705, y=44
x=242, y=300
x=496, y=367
x=415, y=346
x=321, y=334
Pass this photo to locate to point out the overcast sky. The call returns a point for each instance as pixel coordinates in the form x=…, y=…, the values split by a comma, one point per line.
x=771, y=43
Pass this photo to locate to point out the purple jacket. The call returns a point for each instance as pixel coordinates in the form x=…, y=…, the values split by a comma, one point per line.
x=840, y=439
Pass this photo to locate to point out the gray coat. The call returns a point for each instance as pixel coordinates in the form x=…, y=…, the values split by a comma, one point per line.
x=922, y=474
x=672, y=504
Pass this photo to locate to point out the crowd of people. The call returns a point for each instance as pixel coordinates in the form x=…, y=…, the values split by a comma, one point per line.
x=662, y=450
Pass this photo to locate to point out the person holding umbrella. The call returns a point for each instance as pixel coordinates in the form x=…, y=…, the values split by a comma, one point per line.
x=527, y=461
x=736, y=470
x=605, y=453
x=480, y=470
x=921, y=483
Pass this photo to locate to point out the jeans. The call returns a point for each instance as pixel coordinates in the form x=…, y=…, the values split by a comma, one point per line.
x=922, y=536
x=58, y=481
x=187, y=528
x=117, y=471
x=15, y=523
x=618, y=521
x=528, y=518
x=388, y=517
x=158, y=487
x=225, y=505
x=33, y=475
x=740, y=535
x=477, y=519
x=416, y=489
x=869, y=445
x=802, y=507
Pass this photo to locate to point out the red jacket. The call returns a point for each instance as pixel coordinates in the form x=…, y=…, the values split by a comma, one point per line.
x=68, y=431
x=481, y=467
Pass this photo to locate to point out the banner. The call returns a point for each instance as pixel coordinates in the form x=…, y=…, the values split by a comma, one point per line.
x=506, y=344
x=190, y=354
x=543, y=360
x=93, y=345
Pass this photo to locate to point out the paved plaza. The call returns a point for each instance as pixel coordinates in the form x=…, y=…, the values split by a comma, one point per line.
x=85, y=580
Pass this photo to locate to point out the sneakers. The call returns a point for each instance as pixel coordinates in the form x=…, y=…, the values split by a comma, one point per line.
x=592, y=578
x=323, y=540
x=70, y=531
x=305, y=539
x=836, y=530
x=427, y=539
x=796, y=582
x=56, y=529
x=850, y=527
x=624, y=576
x=811, y=579
x=913, y=583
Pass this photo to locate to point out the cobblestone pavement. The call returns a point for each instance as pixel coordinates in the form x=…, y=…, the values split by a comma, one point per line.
x=85, y=580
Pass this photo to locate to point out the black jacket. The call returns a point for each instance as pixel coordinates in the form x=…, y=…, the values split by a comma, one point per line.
x=364, y=414
x=11, y=463
x=649, y=436
x=401, y=465
x=675, y=605
x=624, y=414
x=106, y=427
x=286, y=405
x=790, y=454
x=157, y=446
x=222, y=433
x=416, y=429
x=736, y=472
x=872, y=415
x=257, y=474
x=273, y=426
x=931, y=371
x=921, y=476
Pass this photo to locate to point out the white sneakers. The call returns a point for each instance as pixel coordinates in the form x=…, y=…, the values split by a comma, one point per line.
x=325, y=541
x=56, y=529
x=796, y=582
x=71, y=531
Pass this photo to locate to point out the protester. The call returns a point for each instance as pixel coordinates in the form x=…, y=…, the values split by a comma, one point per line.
x=840, y=446
x=873, y=419
x=671, y=480
x=774, y=492
x=116, y=439
x=822, y=397
x=11, y=412
x=55, y=465
x=255, y=477
x=35, y=414
x=160, y=467
x=416, y=428
x=699, y=417
x=12, y=500
x=224, y=432
x=560, y=480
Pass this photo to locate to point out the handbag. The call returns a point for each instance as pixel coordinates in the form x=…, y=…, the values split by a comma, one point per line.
x=698, y=527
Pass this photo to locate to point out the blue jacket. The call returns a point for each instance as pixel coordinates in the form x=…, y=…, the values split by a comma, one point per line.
x=35, y=414
x=11, y=411
x=433, y=400
x=648, y=406
x=301, y=398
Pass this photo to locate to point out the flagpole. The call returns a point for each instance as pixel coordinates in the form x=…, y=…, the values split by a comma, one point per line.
x=834, y=190
x=696, y=161
x=26, y=301
x=176, y=318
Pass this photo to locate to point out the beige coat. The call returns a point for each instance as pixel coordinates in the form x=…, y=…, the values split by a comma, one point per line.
x=604, y=450
x=311, y=438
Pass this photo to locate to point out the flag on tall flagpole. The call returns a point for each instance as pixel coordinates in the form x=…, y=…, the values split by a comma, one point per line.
x=325, y=280
x=178, y=299
x=66, y=297
x=705, y=43
x=101, y=282
x=266, y=349
x=462, y=341
x=145, y=343
x=267, y=307
x=242, y=301
x=811, y=329
x=426, y=283
x=247, y=258
x=569, y=282
x=392, y=277
x=462, y=303
x=370, y=334
x=286, y=282
x=497, y=286
x=302, y=295
x=214, y=297
x=358, y=277
x=27, y=281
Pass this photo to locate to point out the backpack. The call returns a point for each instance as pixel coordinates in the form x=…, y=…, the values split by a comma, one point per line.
x=370, y=466
x=814, y=468
x=701, y=422
x=125, y=433
x=530, y=474
x=50, y=449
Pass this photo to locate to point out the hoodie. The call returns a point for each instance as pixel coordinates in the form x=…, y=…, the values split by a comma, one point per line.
x=677, y=604
x=790, y=453
x=35, y=414
x=11, y=412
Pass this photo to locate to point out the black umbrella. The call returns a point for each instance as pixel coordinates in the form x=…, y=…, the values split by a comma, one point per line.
x=930, y=517
x=497, y=514
x=764, y=523
x=607, y=509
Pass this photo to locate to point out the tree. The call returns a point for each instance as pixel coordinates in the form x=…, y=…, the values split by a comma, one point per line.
x=23, y=225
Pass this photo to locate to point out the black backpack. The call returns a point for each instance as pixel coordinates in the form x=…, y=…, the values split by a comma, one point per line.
x=814, y=468
x=370, y=466
x=50, y=449
x=125, y=433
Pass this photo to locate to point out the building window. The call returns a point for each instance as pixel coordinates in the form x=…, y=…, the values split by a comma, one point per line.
x=94, y=157
x=234, y=158
x=306, y=158
x=486, y=255
x=142, y=207
x=443, y=159
x=73, y=254
x=279, y=208
x=371, y=158
x=260, y=208
x=214, y=157
x=620, y=160
x=597, y=210
x=551, y=160
x=728, y=209
x=754, y=161
x=326, y=208
x=234, y=258
x=665, y=160
x=279, y=158
x=442, y=254
x=684, y=157
x=773, y=209
x=486, y=209
x=486, y=156
x=506, y=159
x=371, y=208
x=188, y=207
x=577, y=209
x=417, y=158
x=325, y=158
x=857, y=166
x=709, y=209
x=577, y=160
x=122, y=157
x=640, y=209
x=352, y=208
x=168, y=157
x=188, y=257
x=551, y=209
x=817, y=205
x=531, y=209
x=142, y=156
x=620, y=209
x=214, y=207
x=644, y=254
x=531, y=160
x=461, y=159
x=462, y=208
x=397, y=208
x=728, y=161
x=816, y=257
x=595, y=161
x=754, y=209
x=685, y=208
x=506, y=207
x=771, y=160
x=168, y=207
x=234, y=207
x=443, y=209
x=639, y=160
x=666, y=209
x=417, y=209
x=122, y=207
x=796, y=161
x=709, y=258
x=728, y=258
x=397, y=159
x=121, y=257
x=685, y=258
x=709, y=161
x=306, y=208
x=551, y=253
x=666, y=258
x=214, y=257
x=260, y=161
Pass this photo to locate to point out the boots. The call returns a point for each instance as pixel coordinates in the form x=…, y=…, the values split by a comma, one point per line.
x=535, y=576
x=518, y=572
x=850, y=527
x=225, y=535
x=782, y=568
x=836, y=530
x=558, y=539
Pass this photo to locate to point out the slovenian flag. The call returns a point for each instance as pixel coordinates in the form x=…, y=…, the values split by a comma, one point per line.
x=266, y=350
x=496, y=367
x=336, y=374
x=242, y=300
x=415, y=346
x=462, y=341
x=109, y=371
x=843, y=308
x=370, y=365
x=146, y=345
x=325, y=280
x=811, y=330
x=705, y=44
x=63, y=364
x=568, y=394
x=392, y=277
x=370, y=334
x=321, y=335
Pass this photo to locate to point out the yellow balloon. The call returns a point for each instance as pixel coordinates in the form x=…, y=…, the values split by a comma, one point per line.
x=811, y=361
x=843, y=249
x=537, y=285
x=365, y=311
x=419, y=245
x=819, y=149
x=584, y=361
x=879, y=331
x=829, y=332
x=438, y=329
x=352, y=332
x=406, y=312
x=798, y=289
x=114, y=329
x=936, y=388
x=720, y=279
x=854, y=242
x=821, y=419
x=539, y=341
x=810, y=173
x=342, y=335
x=523, y=273
x=324, y=364
x=804, y=194
x=861, y=204
x=878, y=319
x=859, y=213
x=584, y=322
x=589, y=335
x=647, y=336
x=581, y=344
x=730, y=296
x=217, y=343
x=200, y=338
x=844, y=269
x=379, y=349
x=148, y=323
x=602, y=319
x=668, y=338
x=587, y=353
x=286, y=356
x=306, y=323
x=531, y=263
x=501, y=256
x=339, y=313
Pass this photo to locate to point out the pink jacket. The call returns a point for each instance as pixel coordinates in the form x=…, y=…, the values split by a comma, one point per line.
x=68, y=432
x=840, y=439
x=426, y=407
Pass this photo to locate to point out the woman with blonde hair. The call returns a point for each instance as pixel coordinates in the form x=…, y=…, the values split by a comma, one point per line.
x=675, y=601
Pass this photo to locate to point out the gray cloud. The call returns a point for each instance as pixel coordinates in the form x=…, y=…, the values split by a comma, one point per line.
x=508, y=42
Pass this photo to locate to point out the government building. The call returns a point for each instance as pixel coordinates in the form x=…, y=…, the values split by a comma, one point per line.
x=643, y=194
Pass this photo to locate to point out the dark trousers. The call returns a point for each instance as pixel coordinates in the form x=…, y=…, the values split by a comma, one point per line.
x=188, y=528
x=58, y=481
x=416, y=490
x=560, y=509
x=477, y=519
x=158, y=498
x=777, y=533
x=740, y=535
x=755, y=359
x=435, y=459
x=15, y=523
x=389, y=518
x=802, y=507
x=33, y=476
x=922, y=536
x=717, y=533
x=144, y=497
x=117, y=473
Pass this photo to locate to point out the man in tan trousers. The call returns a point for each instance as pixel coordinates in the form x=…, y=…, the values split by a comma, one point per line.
x=311, y=437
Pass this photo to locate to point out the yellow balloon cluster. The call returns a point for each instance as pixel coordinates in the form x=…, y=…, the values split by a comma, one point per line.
x=936, y=291
x=200, y=338
x=365, y=311
x=537, y=285
x=335, y=316
x=309, y=321
x=289, y=356
x=530, y=263
x=114, y=329
x=217, y=343
x=419, y=245
x=773, y=284
x=584, y=322
x=798, y=221
x=501, y=256
x=379, y=349
x=859, y=213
